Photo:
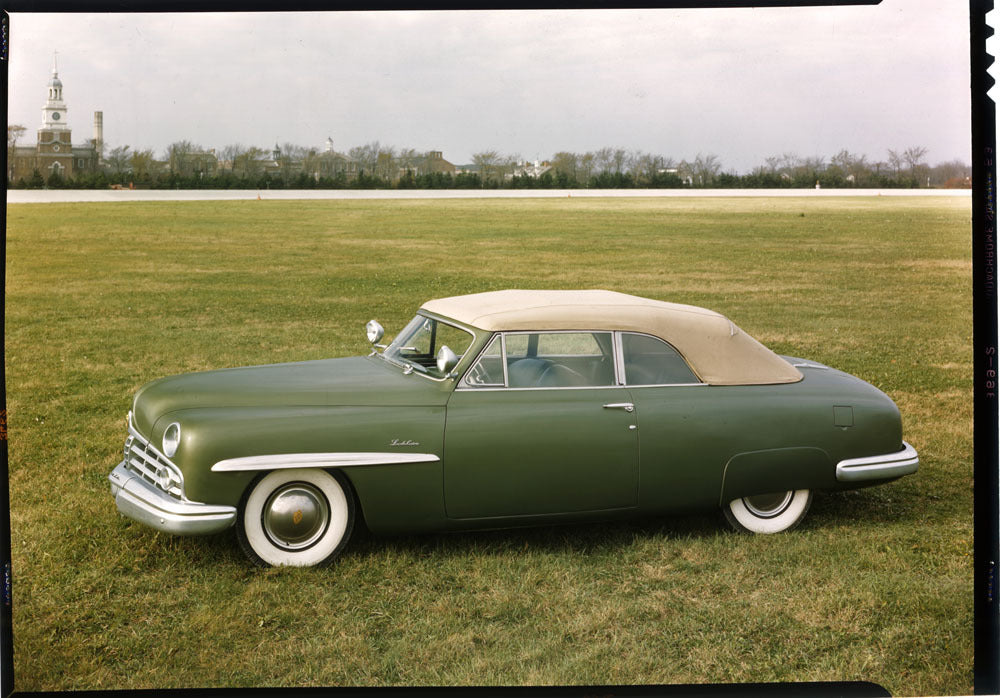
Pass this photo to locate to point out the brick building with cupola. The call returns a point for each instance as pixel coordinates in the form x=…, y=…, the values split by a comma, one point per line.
x=54, y=152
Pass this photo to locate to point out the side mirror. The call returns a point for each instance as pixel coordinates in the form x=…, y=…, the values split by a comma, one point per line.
x=446, y=360
x=375, y=332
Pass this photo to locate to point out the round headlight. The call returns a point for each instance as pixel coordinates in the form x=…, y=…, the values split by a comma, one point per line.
x=171, y=439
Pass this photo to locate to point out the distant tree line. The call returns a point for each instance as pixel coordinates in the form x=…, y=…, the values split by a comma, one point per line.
x=185, y=165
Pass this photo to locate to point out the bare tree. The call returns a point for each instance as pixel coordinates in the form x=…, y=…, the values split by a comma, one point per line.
x=142, y=163
x=566, y=163
x=293, y=152
x=508, y=163
x=603, y=159
x=177, y=153
x=633, y=158
x=914, y=157
x=231, y=153
x=488, y=163
x=585, y=169
x=250, y=162
x=366, y=155
x=14, y=131
x=619, y=159
x=386, y=163
x=951, y=173
x=647, y=166
x=854, y=167
x=704, y=169
x=895, y=161
x=407, y=159
x=118, y=159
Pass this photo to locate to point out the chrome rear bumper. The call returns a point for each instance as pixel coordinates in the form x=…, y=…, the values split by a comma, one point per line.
x=883, y=467
x=142, y=502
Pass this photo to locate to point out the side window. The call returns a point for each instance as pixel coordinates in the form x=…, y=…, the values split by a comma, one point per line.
x=651, y=361
x=458, y=340
x=488, y=371
x=560, y=360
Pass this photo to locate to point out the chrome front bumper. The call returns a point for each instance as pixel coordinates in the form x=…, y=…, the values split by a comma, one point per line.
x=142, y=502
x=883, y=467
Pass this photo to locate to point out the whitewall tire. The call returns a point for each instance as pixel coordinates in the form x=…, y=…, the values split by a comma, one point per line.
x=768, y=513
x=299, y=517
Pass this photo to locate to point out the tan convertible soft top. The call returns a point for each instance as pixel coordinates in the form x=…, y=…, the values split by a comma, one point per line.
x=719, y=351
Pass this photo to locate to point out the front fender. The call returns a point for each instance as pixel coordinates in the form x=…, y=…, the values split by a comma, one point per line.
x=268, y=435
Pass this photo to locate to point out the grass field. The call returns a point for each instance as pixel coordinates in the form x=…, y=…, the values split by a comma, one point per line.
x=875, y=585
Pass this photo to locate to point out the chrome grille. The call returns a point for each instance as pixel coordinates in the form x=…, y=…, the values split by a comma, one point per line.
x=143, y=459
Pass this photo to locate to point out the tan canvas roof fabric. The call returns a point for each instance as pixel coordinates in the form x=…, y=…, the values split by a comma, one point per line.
x=719, y=351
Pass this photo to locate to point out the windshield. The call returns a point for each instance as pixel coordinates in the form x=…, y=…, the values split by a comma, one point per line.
x=419, y=342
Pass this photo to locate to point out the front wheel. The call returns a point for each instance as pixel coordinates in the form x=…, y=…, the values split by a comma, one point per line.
x=768, y=513
x=299, y=517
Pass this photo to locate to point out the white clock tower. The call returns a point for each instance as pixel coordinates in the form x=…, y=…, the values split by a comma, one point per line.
x=54, y=153
x=54, y=111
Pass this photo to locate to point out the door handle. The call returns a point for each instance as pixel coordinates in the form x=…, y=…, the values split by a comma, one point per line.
x=627, y=406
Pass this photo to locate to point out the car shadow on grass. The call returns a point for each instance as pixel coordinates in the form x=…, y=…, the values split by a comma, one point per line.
x=572, y=539
x=873, y=505
x=881, y=506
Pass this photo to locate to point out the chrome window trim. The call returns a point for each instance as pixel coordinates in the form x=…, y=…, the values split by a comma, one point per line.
x=562, y=387
x=667, y=385
x=462, y=384
x=410, y=365
x=278, y=461
x=619, y=363
x=503, y=358
x=619, y=359
x=698, y=380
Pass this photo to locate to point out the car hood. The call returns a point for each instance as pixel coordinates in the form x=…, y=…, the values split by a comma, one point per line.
x=357, y=380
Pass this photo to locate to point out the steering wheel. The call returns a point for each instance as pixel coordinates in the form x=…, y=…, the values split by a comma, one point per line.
x=477, y=375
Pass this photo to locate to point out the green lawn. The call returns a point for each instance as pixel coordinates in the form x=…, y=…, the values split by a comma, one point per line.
x=875, y=584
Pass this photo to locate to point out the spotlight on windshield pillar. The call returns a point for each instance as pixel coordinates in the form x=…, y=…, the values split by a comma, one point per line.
x=374, y=331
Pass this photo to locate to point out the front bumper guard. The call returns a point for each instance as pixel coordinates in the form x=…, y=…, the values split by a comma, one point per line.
x=882, y=467
x=142, y=502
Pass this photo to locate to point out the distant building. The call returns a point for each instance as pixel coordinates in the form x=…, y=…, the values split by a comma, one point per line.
x=330, y=163
x=54, y=152
x=431, y=162
x=530, y=169
x=434, y=163
x=192, y=163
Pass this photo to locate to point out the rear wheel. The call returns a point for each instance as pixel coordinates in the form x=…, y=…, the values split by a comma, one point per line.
x=299, y=517
x=768, y=513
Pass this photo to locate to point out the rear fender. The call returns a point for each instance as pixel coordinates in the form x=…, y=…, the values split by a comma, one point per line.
x=776, y=470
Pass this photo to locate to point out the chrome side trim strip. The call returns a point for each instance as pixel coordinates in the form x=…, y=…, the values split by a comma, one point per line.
x=879, y=467
x=319, y=460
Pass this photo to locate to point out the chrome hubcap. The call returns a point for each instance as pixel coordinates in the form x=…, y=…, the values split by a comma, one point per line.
x=767, y=506
x=295, y=516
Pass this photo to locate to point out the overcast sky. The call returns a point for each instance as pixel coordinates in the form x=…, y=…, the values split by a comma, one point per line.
x=742, y=84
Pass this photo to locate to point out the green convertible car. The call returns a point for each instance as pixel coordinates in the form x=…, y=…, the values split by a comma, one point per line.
x=501, y=409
